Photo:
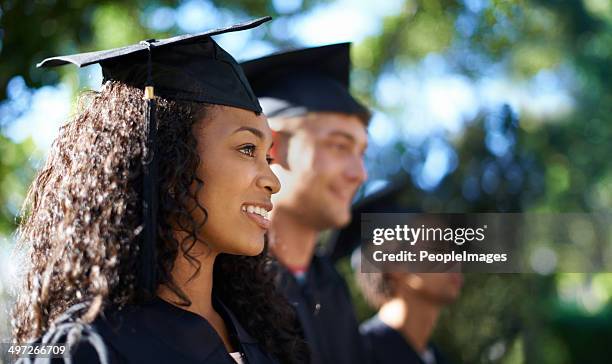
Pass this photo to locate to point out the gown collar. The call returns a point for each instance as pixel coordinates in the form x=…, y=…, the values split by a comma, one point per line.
x=184, y=331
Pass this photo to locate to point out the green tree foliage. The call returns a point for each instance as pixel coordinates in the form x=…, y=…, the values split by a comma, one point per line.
x=15, y=174
x=555, y=164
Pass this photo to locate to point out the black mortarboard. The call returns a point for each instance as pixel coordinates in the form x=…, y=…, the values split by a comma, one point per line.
x=306, y=80
x=190, y=67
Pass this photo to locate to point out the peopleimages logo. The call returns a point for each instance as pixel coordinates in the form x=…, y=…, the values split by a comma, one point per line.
x=411, y=235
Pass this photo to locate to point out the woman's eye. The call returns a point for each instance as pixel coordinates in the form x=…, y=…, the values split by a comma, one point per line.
x=269, y=159
x=248, y=150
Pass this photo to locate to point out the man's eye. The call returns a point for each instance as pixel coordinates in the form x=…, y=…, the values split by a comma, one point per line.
x=248, y=150
x=341, y=146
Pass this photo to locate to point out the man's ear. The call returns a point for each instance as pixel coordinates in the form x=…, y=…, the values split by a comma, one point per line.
x=280, y=148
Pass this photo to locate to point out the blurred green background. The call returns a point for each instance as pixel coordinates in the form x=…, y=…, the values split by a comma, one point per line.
x=480, y=106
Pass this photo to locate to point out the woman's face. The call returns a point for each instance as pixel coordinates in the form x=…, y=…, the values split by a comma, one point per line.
x=234, y=147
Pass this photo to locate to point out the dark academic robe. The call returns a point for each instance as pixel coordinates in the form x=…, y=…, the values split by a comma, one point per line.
x=387, y=346
x=324, y=309
x=154, y=333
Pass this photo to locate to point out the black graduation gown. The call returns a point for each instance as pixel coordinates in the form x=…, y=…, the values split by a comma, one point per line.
x=325, y=311
x=155, y=333
x=386, y=345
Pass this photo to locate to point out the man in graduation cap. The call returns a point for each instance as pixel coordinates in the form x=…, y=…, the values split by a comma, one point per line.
x=320, y=138
x=408, y=303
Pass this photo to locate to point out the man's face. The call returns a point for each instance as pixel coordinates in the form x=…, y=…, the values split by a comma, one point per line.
x=319, y=161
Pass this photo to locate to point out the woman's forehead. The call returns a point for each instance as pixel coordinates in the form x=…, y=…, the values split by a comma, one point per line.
x=226, y=120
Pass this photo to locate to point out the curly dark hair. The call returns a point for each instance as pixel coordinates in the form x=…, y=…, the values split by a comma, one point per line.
x=81, y=224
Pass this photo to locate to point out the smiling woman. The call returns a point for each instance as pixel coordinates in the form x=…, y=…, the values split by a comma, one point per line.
x=88, y=226
x=235, y=163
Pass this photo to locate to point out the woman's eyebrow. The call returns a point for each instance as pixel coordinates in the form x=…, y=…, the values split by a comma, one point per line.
x=258, y=133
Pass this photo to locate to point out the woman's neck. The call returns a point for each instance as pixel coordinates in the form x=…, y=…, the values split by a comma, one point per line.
x=198, y=288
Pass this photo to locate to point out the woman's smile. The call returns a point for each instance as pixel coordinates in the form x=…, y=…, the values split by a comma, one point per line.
x=258, y=213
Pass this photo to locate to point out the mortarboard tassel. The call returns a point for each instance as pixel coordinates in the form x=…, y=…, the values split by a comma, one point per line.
x=147, y=279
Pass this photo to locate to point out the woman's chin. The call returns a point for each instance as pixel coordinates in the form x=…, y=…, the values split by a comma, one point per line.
x=257, y=247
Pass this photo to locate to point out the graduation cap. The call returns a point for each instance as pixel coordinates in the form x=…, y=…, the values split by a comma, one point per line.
x=306, y=80
x=190, y=67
